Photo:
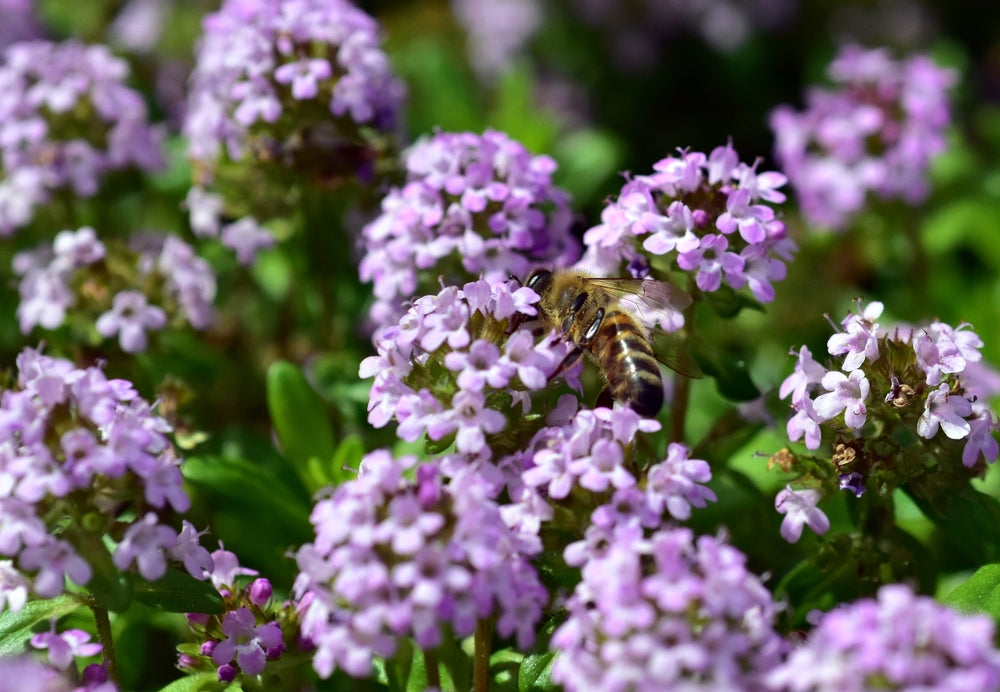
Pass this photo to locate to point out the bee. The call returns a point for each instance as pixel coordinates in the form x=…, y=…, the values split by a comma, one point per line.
x=598, y=315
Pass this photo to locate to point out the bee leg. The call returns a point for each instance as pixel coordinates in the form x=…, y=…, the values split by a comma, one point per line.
x=571, y=359
x=605, y=398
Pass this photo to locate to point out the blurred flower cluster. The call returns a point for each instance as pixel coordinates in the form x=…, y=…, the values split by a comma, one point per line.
x=116, y=289
x=874, y=133
x=396, y=557
x=898, y=641
x=283, y=94
x=709, y=215
x=67, y=120
x=667, y=609
x=472, y=206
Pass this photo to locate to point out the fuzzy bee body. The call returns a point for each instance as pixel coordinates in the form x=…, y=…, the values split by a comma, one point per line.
x=590, y=312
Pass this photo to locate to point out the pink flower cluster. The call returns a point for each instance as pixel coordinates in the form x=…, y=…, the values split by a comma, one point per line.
x=440, y=372
x=55, y=279
x=472, y=205
x=875, y=132
x=712, y=215
x=395, y=557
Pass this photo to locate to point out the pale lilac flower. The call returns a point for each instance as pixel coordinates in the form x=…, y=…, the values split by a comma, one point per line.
x=845, y=394
x=807, y=373
x=981, y=441
x=899, y=640
x=187, y=549
x=146, y=542
x=859, y=340
x=227, y=568
x=64, y=647
x=247, y=237
x=246, y=641
x=805, y=423
x=130, y=317
x=675, y=484
x=946, y=411
x=13, y=588
x=55, y=560
x=799, y=508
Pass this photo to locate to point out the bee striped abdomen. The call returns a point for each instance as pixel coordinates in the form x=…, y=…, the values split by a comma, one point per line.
x=622, y=350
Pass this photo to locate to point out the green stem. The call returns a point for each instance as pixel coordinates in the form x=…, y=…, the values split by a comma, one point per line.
x=481, y=659
x=104, y=636
x=431, y=666
x=679, y=407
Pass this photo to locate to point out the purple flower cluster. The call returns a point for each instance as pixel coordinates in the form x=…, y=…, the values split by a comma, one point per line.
x=445, y=368
x=19, y=23
x=667, y=611
x=711, y=215
x=395, y=558
x=589, y=452
x=472, y=205
x=76, y=444
x=66, y=119
x=76, y=272
x=917, y=374
x=875, y=132
x=899, y=383
x=264, y=65
x=899, y=641
x=497, y=31
x=28, y=673
x=249, y=633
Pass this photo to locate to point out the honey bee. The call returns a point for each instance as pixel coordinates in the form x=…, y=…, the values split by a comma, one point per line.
x=598, y=315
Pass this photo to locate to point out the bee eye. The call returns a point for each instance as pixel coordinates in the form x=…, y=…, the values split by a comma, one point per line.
x=538, y=279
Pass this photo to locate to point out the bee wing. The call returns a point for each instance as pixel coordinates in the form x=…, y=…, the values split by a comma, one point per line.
x=653, y=301
x=674, y=352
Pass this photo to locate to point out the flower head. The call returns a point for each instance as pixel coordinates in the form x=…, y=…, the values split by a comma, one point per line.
x=663, y=610
x=111, y=456
x=711, y=215
x=413, y=557
x=472, y=205
x=67, y=119
x=898, y=640
x=874, y=133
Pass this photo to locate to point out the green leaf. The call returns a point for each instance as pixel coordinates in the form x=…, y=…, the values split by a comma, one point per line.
x=515, y=97
x=254, y=486
x=969, y=522
x=346, y=460
x=729, y=372
x=980, y=593
x=179, y=592
x=587, y=160
x=198, y=682
x=727, y=303
x=17, y=628
x=536, y=671
x=299, y=417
